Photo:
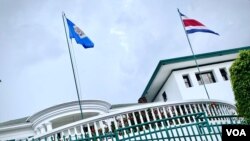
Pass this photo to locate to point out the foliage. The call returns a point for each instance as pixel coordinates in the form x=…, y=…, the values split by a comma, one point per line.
x=240, y=80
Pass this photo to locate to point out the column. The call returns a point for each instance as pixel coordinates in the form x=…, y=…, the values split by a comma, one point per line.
x=48, y=126
x=37, y=131
x=42, y=129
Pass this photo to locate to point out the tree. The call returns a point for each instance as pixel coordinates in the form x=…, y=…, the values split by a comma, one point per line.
x=240, y=80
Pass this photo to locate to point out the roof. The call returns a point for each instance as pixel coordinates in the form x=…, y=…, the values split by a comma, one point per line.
x=165, y=67
x=14, y=122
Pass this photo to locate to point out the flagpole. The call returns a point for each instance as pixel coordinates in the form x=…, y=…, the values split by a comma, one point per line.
x=72, y=65
x=197, y=66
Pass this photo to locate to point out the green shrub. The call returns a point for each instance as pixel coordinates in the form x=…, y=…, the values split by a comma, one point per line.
x=240, y=80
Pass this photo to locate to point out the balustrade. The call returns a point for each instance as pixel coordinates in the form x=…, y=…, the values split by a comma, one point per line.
x=127, y=117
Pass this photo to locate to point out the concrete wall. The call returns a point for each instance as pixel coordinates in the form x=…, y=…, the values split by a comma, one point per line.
x=176, y=89
x=171, y=89
x=221, y=89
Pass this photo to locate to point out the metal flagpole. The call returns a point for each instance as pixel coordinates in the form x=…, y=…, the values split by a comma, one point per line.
x=194, y=55
x=72, y=65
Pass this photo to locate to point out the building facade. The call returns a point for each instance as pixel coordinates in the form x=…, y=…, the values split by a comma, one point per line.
x=176, y=91
x=179, y=78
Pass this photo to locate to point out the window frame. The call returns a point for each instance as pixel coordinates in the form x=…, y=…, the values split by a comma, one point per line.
x=164, y=96
x=187, y=81
x=207, y=76
x=224, y=74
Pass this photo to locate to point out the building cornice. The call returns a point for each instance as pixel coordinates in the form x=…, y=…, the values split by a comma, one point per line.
x=91, y=105
x=16, y=126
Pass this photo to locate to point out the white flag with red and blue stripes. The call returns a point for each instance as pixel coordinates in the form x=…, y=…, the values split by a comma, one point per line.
x=192, y=25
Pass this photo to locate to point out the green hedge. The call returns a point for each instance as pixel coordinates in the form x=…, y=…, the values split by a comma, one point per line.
x=240, y=80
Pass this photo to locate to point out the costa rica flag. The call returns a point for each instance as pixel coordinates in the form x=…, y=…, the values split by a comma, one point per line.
x=192, y=25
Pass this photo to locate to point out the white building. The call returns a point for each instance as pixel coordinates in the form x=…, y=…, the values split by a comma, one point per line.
x=179, y=79
x=175, y=89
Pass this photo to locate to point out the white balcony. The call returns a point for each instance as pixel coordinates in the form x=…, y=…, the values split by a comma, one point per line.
x=141, y=113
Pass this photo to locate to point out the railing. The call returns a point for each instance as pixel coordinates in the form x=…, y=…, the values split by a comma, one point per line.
x=200, y=130
x=106, y=125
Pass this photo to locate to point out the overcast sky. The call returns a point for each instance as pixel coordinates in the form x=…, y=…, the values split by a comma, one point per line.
x=130, y=38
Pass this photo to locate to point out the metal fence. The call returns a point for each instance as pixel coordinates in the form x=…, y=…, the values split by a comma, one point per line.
x=199, y=127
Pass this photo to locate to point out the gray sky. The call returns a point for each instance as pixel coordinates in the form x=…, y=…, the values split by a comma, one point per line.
x=130, y=37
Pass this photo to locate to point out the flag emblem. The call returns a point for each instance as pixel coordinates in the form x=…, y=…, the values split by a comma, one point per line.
x=192, y=25
x=79, y=31
x=79, y=35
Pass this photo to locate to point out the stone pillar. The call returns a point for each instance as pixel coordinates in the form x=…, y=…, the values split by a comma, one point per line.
x=48, y=126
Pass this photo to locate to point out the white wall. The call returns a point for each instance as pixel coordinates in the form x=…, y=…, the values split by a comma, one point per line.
x=176, y=89
x=171, y=89
x=221, y=90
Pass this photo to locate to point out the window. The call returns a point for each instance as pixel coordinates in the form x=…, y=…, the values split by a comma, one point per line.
x=224, y=74
x=164, y=95
x=187, y=81
x=207, y=77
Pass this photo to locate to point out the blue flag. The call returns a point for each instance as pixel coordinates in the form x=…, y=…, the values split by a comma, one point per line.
x=79, y=35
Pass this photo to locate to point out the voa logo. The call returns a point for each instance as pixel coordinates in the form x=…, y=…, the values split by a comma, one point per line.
x=236, y=132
